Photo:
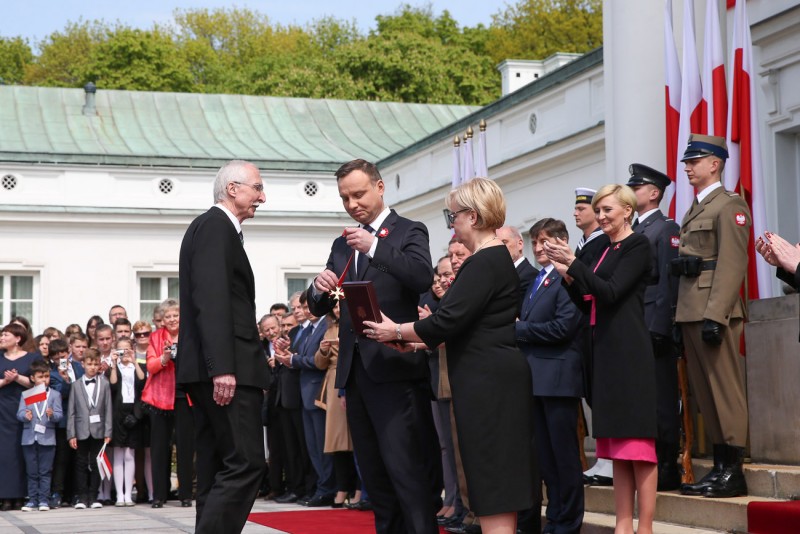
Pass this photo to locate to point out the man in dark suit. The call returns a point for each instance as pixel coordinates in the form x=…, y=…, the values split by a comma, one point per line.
x=220, y=362
x=313, y=417
x=388, y=393
x=546, y=333
x=300, y=479
x=660, y=299
x=512, y=239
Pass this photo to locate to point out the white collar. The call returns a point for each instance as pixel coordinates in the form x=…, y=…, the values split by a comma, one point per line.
x=519, y=261
x=701, y=196
x=646, y=214
x=231, y=216
x=376, y=224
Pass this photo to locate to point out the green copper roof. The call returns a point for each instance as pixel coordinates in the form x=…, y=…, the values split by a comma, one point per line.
x=48, y=125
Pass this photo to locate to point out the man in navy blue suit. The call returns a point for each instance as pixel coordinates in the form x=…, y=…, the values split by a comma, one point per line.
x=313, y=417
x=546, y=333
x=388, y=393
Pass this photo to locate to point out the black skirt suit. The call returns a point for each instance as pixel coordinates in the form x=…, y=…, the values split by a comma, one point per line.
x=490, y=381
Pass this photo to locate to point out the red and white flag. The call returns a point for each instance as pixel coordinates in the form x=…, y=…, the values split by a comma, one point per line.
x=743, y=172
x=672, y=75
x=35, y=394
x=104, y=464
x=715, y=97
x=691, y=110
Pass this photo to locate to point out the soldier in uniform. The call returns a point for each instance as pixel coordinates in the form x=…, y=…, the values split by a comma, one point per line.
x=660, y=299
x=712, y=264
x=590, y=246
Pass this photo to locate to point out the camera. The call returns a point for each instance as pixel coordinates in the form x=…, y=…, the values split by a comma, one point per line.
x=119, y=352
x=173, y=350
x=63, y=364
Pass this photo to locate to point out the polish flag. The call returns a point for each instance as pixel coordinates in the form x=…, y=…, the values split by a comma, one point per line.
x=35, y=394
x=715, y=97
x=104, y=464
x=691, y=110
x=743, y=172
x=672, y=75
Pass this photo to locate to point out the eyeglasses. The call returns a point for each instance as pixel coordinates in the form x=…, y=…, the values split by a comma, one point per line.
x=450, y=216
x=141, y=334
x=258, y=188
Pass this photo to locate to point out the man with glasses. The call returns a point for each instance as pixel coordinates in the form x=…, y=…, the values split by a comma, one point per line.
x=221, y=362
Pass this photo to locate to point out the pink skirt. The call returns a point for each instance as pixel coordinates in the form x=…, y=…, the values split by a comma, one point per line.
x=636, y=449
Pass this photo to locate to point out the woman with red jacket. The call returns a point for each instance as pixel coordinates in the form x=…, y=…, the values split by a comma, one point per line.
x=168, y=408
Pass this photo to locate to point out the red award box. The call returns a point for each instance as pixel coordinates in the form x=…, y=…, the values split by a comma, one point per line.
x=362, y=304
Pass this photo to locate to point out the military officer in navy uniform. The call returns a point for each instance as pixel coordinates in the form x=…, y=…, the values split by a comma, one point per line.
x=660, y=298
x=712, y=264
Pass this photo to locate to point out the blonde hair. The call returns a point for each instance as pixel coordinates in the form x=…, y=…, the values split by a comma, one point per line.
x=485, y=198
x=624, y=195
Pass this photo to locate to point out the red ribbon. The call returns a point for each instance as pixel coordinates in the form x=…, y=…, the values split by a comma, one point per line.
x=592, y=298
x=346, y=268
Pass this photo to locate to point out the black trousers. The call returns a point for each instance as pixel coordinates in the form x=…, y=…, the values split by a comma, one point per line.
x=63, y=467
x=161, y=427
x=667, y=395
x=230, y=457
x=398, y=451
x=277, y=455
x=87, y=478
x=300, y=477
x=344, y=469
x=184, y=447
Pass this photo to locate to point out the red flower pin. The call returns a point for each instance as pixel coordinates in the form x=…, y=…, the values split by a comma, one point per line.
x=383, y=232
x=617, y=246
x=546, y=282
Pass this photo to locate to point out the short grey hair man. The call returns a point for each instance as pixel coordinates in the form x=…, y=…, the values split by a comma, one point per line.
x=230, y=172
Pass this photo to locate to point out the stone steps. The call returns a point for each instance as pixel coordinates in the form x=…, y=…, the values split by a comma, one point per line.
x=699, y=514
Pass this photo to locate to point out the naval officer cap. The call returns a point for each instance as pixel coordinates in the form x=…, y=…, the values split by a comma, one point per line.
x=644, y=175
x=584, y=195
x=701, y=146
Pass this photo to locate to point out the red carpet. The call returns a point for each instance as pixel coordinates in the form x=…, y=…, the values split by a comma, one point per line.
x=316, y=521
x=773, y=517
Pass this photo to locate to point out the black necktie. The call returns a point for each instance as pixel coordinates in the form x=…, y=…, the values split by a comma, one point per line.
x=241, y=237
x=363, y=260
x=635, y=223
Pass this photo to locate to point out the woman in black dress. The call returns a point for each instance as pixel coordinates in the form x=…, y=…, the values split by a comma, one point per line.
x=489, y=377
x=611, y=292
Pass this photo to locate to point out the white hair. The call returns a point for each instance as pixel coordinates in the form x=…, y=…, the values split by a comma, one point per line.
x=230, y=172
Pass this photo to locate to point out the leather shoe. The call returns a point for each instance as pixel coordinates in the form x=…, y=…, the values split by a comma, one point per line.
x=303, y=501
x=700, y=486
x=286, y=498
x=157, y=504
x=360, y=506
x=731, y=481
x=186, y=503
x=599, y=480
x=587, y=480
x=464, y=529
x=320, y=500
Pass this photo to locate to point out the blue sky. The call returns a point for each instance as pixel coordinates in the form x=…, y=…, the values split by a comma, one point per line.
x=35, y=19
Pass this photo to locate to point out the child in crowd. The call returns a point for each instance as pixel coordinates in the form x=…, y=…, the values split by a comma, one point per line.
x=63, y=374
x=127, y=380
x=39, y=437
x=78, y=343
x=89, y=425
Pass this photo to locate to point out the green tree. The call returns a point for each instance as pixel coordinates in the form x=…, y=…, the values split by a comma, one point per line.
x=139, y=60
x=536, y=29
x=15, y=56
x=64, y=57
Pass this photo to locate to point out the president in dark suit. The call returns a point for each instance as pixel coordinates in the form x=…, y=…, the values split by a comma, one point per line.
x=220, y=361
x=546, y=332
x=660, y=299
x=388, y=393
x=512, y=239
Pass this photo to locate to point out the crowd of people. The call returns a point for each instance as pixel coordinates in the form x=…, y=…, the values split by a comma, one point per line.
x=427, y=416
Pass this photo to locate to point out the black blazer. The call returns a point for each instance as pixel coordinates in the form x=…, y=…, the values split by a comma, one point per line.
x=547, y=334
x=400, y=271
x=661, y=294
x=218, y=332
x=527, y=273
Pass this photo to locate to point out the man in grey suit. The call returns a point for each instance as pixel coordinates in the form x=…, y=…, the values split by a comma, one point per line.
x=660, y=298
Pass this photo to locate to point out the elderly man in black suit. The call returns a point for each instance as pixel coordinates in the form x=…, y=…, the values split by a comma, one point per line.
x=660, y=298
x=512, y=239
x=546, y=333
x=388, y=393
x=220, y=360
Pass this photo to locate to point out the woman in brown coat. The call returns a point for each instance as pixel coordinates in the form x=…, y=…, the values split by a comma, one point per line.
x=337, y=433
